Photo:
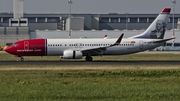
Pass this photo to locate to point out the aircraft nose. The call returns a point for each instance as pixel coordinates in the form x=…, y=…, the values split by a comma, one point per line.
x=7, y=49
x=4, y=48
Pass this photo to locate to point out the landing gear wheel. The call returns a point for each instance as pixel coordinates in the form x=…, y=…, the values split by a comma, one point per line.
x=22, y=59
x=89, y=58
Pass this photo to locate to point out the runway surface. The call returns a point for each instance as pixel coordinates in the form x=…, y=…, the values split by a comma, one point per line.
x=90, y=63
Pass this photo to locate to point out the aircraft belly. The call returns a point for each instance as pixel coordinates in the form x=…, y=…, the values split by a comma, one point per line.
x=52, y=51
x=119, y=51
x=122, y=50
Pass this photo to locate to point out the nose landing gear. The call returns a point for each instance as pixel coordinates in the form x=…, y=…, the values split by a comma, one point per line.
x=21, y=58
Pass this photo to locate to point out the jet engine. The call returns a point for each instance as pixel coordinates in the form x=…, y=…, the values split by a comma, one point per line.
x=71, y=54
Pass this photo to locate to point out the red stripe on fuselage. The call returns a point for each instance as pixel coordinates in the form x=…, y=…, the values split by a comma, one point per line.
x=34, y=47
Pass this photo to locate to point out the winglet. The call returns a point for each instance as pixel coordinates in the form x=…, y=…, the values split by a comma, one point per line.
x=105, y=36
x=119, y=39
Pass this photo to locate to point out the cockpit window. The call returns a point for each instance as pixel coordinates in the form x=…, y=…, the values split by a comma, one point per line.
x=15, y=45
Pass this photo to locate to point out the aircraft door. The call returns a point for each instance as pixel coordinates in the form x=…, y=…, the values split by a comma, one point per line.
x=76, y=45
x=79, y=46
x=140, y=44
x=26, y=45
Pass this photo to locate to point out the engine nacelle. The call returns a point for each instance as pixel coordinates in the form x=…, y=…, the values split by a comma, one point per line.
x=70, y=54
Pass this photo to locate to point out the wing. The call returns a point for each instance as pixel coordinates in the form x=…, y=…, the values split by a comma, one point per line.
x=100, y=50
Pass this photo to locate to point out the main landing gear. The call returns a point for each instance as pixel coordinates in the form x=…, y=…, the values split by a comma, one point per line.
x=89, y=58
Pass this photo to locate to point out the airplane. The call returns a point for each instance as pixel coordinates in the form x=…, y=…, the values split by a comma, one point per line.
x=151, y=38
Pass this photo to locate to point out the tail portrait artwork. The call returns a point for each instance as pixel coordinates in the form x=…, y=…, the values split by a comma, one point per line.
x=158, y=27
x=159, y=32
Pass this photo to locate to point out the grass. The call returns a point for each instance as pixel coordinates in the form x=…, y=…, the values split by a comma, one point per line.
x=92, y=82
x=90, y=85
x=88, y=67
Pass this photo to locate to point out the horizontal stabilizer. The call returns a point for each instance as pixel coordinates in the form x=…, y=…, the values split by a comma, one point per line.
x=163, y=40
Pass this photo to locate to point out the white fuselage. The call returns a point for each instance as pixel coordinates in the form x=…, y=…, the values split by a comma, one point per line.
x=127, y=46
